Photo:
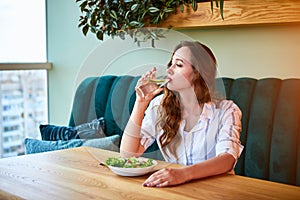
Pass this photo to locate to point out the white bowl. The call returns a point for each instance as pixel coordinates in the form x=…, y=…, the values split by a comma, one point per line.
x=132, y=171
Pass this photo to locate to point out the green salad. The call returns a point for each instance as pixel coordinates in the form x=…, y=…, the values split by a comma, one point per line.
x=131, y=162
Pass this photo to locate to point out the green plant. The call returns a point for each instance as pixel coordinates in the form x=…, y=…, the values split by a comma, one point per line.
x=121, y=17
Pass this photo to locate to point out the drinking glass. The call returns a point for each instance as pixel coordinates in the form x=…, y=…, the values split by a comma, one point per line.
x=149, y=85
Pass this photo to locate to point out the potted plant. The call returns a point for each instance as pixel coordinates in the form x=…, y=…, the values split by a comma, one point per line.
x=121, y=17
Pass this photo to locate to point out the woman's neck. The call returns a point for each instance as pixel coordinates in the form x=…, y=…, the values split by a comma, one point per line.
x=190, y=105
x=191, y=113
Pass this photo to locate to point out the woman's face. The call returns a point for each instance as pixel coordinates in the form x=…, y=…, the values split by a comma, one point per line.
x=181, y=71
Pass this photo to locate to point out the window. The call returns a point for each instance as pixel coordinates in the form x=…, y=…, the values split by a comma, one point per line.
x=23, y=73
x=23, y=31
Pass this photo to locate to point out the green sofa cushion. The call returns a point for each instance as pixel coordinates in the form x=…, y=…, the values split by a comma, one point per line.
x=259, y=132
x=285, y=140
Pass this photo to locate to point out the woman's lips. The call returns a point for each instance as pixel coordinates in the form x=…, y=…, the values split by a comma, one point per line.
x=169, y=79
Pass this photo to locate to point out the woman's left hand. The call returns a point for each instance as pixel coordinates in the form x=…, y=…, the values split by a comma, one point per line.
x=166, y=177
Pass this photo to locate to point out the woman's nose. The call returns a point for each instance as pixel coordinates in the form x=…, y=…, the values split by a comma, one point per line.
x=170, y=69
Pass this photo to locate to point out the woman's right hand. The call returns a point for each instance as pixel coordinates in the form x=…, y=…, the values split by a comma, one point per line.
x=146, y=91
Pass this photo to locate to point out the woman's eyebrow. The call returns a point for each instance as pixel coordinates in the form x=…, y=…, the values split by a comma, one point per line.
x=178, y=59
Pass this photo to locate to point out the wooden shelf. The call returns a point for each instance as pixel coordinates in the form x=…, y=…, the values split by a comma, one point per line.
x=237, y=12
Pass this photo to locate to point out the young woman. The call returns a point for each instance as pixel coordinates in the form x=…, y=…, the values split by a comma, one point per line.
x=192, y=126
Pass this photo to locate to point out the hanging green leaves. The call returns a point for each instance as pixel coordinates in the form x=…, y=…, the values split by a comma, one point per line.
x=120, y=17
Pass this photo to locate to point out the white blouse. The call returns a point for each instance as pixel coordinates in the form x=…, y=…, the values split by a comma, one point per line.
x=217, y=131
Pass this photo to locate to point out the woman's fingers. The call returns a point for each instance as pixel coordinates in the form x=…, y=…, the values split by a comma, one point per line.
x=153, y=73
x=150, y=74
x=143, y=81
x=158, y=179
x=166, y=177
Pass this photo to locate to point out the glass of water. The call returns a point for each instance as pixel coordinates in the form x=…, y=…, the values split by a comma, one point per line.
x=150, y=84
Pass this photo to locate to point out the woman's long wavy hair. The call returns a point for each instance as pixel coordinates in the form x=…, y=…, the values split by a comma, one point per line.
x=204, y=64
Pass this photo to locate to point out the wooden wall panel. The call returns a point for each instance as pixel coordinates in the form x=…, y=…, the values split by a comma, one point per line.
x=237, y=12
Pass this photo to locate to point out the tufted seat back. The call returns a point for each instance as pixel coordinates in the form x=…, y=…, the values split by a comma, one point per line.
x=271, y=119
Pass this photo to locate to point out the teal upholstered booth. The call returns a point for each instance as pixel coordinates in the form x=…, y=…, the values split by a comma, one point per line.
x=271, y=119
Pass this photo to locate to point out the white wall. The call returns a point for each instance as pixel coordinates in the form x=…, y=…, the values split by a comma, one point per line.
x=67, y=48
x=254, y=51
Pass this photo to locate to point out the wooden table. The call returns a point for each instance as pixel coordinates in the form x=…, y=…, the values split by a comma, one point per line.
x=76, y=174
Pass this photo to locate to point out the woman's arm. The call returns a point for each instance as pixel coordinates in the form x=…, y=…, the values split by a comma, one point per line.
x=218, y=165
x=175, y=176
x=130, y=144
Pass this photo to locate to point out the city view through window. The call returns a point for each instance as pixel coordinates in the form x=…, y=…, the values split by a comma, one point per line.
x=23, y=104
x=23, y=92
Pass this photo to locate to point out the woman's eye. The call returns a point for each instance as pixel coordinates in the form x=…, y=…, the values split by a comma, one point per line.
x=179, y=65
